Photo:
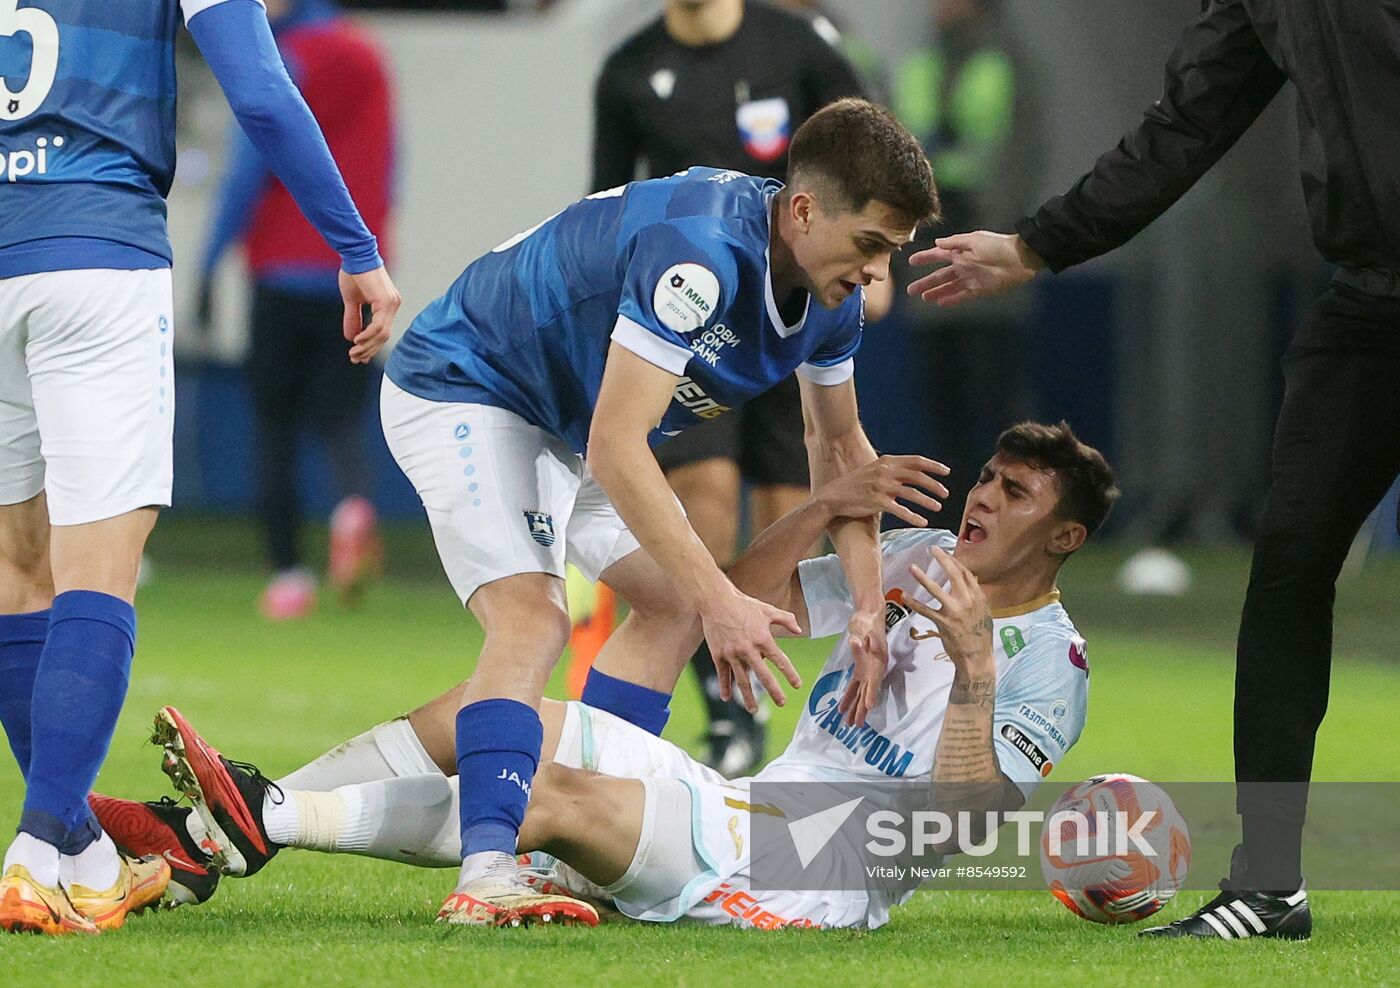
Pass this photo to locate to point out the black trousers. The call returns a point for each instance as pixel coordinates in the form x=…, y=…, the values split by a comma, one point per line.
x=1336, y=453
x=302, y=379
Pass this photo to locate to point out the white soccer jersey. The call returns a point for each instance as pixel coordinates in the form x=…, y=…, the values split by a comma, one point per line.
x=1042, y=679
x=1042, y=691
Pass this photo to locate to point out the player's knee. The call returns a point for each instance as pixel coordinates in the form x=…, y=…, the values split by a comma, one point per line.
x=27, y=584
x=551, y=624
x=533, y=619
x=26, y=577
x=27, y=562
x=655, y=602
x=664, y=609
x=559, y=799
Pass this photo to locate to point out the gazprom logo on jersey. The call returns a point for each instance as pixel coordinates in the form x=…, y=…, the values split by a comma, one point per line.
x=877, y=750
x=685, y=297
x=15, y=165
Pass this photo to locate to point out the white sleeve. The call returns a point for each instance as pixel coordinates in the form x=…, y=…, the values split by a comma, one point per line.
x=829, y=376
x=824, y=587
x=902, y=546
x=828, y=596
x=658, y=352
x=1040, y=710
x=191, y=7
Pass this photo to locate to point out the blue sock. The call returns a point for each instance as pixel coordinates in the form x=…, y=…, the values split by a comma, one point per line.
x=647, y=708
x=498, y=750
x=21, y=644
x=78, y=694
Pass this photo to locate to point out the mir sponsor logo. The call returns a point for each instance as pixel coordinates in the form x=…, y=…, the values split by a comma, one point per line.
x=15, y=165
x=877, y=750
x=1101, y=833
x=700, y=302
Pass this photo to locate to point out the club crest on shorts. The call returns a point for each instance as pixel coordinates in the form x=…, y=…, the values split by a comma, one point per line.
x=541, y=527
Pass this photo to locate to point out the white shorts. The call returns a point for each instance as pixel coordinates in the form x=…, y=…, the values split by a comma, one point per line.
x=87, y=391
x=694, y=859
x=503, y=497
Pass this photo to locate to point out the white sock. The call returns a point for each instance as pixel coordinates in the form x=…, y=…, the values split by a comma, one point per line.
x=386, y=751
x=303, y=819
x=487, y=868
x=39, y=858
x=96, y=867
x=412, y=819
x=194, y=826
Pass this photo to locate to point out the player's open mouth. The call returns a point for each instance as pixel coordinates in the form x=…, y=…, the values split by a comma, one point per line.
x=848, y=286
x=972, y=533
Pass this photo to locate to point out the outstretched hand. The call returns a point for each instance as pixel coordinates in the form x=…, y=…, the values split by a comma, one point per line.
x=739, y=630
x=963, y=617
x=880, y=485
x=976, y=265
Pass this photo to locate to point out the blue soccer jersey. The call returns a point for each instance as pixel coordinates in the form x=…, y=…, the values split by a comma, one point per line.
x=87, y=129
x=673, y=269
x=87, y=126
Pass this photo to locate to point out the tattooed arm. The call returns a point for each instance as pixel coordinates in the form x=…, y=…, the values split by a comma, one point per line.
x=966, y=775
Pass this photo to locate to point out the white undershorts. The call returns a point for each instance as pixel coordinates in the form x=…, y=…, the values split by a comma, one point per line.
x=694, y=859
x=87, y=391
x=503, y=497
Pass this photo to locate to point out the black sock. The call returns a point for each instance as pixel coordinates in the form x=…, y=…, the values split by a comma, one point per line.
x=1273, y=854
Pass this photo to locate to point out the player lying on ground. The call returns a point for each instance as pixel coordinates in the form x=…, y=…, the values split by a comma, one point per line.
x=986, y=689
x=627, y=318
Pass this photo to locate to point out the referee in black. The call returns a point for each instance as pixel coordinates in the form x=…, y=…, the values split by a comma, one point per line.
x=724, y=83
x=1337, y=441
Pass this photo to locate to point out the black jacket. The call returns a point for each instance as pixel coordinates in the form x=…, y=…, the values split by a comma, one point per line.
x=1344, y=58
x=671, y=105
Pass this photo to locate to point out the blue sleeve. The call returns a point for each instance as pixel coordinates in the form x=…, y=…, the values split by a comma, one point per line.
x=833, y=362
x=843, y=341
x=238, y=195
x=672, y=289
x=236, y=41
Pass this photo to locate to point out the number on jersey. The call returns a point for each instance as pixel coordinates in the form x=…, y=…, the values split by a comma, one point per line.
x=43, y=35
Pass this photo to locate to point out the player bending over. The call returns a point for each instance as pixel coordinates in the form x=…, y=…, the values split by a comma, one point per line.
x=986, y=689
x=87, y=387
x=630, y=316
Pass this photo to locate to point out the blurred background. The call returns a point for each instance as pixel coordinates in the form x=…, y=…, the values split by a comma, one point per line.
x=1164, y=354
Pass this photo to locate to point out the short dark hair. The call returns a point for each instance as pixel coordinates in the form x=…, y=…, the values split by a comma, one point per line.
x=1088, y=489
x=861, y=153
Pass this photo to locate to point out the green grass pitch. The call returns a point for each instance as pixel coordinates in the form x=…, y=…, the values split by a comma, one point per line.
x=281, y=695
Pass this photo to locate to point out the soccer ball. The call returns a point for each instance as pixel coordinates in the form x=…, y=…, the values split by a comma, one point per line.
x=1093, y=849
